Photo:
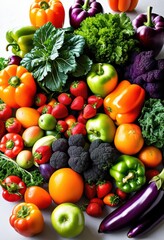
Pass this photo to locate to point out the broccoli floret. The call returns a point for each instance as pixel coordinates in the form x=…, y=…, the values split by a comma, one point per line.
x=79, y=159
x=104, y=156
x=60, y=144
x=81, y=163
x=59, y=160
x=95, y=144
x=147, y=72
x=93, y=174
x=74, y=151
x=76, y=140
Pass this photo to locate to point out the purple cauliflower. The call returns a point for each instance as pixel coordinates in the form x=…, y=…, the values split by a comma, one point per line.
x=147, y=72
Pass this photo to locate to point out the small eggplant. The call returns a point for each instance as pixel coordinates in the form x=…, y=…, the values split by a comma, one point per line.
x=83, y=9
x=134, y=207
x=150, y=31
x=14, y=60
x=148, y=220
x=46, y=170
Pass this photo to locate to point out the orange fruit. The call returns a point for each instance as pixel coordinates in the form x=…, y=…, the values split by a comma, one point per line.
x=151, y=156
x=128, y=138
x=38, y=196
x=66, y=185
x=27, y=116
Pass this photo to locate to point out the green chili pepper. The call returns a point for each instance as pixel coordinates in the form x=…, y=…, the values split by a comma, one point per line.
x=21, y=40
x=129, y=173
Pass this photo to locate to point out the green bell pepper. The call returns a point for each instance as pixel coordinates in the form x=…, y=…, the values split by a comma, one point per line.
x=129, y=173
x=21, y=40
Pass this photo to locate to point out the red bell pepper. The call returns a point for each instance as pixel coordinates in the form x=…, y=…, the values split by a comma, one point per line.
x=13, y=188
x=27, y=219
x=11, y=144
x=5, y=111
x=13, y=125
x=42, y=154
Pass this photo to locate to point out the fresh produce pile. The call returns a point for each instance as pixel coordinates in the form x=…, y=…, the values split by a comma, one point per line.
x=82, y=119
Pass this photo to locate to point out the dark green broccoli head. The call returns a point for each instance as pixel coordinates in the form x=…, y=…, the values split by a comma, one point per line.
x=59, y=160
x=60, y=144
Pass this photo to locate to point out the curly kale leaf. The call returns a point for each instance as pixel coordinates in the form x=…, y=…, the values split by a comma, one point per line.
x=151, y=121
x=109, y=37
x=55, y=56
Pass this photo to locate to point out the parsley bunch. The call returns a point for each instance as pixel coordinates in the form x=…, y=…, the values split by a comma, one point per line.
x=9, y=167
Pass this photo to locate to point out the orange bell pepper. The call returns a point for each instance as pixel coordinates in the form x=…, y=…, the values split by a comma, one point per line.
x=27, y=219
x=44, y=11
x=123, y=5
x=124, y=104
x=17, y=86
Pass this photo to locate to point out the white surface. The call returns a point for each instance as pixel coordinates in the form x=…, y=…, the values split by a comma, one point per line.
x=15, y=13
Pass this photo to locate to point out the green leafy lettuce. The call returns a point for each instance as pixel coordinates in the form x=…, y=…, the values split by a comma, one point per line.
x=109, y=37
x=151, y=121
x=57, y=54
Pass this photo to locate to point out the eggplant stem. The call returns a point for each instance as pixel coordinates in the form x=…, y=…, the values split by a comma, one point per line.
x=159, y=179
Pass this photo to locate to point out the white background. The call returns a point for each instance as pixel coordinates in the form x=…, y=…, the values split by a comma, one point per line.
x=16, y=13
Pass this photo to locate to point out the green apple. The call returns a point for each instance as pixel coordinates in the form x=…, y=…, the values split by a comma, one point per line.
x=101, y=127
x=47, y=121
x=25, y=159
x=68, y=220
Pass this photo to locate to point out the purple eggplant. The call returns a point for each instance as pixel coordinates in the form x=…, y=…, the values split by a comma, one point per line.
x=134, y=207
x=46, y=171
x=150, y=31
x=82, y=9
x=14, y=60
x=149, y=220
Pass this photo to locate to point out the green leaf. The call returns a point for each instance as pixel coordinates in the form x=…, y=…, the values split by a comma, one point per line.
x=84, y=64
x=74, y=44
x=3, y=63
x=56, y=55
x=55, y=80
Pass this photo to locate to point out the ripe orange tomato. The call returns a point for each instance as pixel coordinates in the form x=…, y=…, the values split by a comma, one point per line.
x=128, y=138
x=151, y=156
x=38, y=196
x=66, y=185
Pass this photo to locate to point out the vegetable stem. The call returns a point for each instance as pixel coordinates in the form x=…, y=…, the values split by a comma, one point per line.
x=159, y=179
x=44, y=5
x=149, y=22
x=86, y=5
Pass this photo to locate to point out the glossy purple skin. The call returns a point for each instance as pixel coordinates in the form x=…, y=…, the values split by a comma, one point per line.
x=148, y=221
x=130, y=210
x=46, y=170
x=77, y=14
x=151, y=38
x=14, y=60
